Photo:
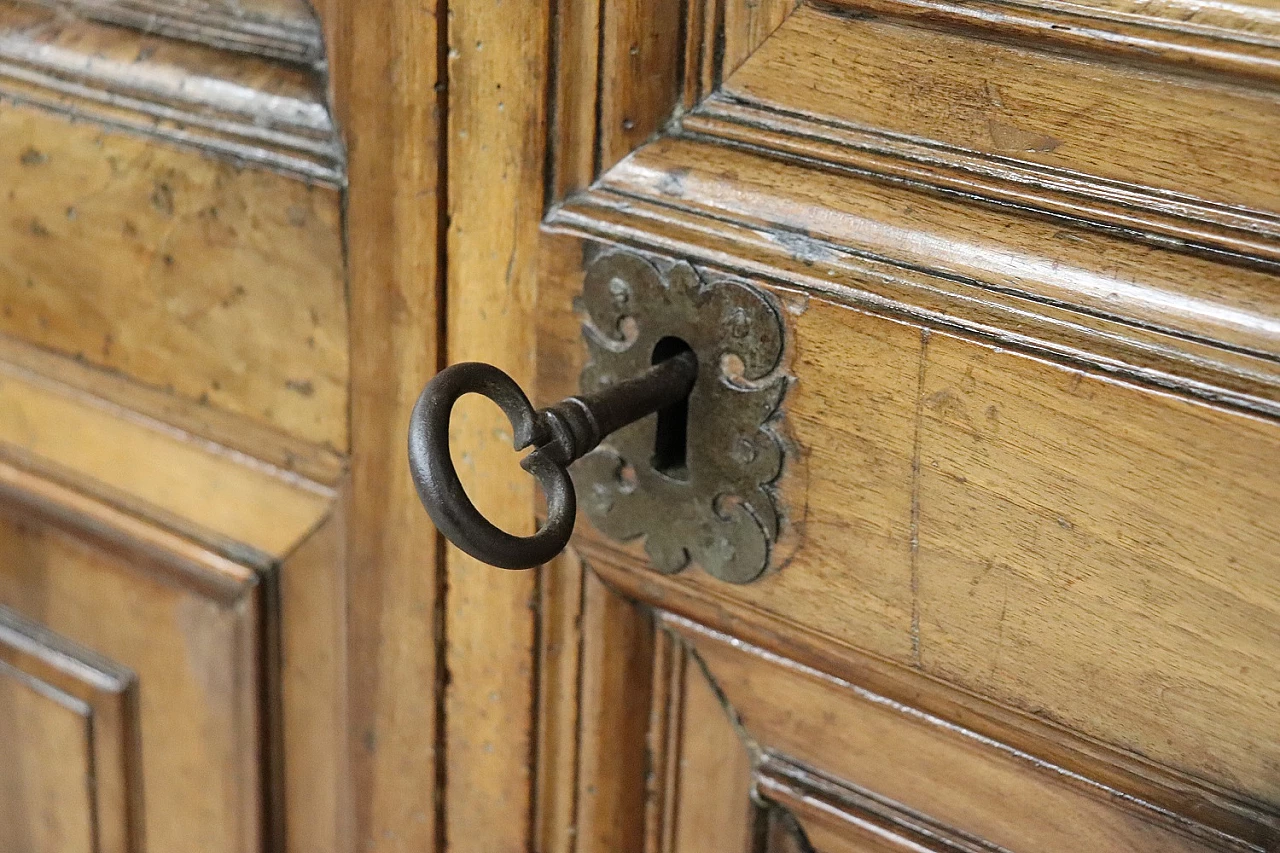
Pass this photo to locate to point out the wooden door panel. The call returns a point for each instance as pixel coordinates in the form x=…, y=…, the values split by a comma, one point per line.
x=221, y=284
x=174, y=389
x=70, y=749
x=998, y=512
x=1021, y=105
x=185, y=623
x=1025, y=594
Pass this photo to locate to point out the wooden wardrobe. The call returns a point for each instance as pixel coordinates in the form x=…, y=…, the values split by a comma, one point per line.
x=1023, y=593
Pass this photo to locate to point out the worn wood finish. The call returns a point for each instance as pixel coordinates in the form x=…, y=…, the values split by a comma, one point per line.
x=292, y=457
x=885, y=402
x=1023, y=106
x=182, y=272
x=154, y=469
x=826, y=222
x=1021, y=368
x=281, y=29
x=617, y=668
x=71, y=747
x=257, y=111
x=497, y=88
x=315, y=760
x=175, y=384
x=185, y=621
x=384, y=58
x=560, y=598
x=924, y=765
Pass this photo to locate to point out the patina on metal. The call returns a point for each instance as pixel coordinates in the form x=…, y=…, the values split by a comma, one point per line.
x=694, y=481
x=559, y=434
x=716, y=507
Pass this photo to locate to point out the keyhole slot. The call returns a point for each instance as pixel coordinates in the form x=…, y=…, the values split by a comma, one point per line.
x=671, y=440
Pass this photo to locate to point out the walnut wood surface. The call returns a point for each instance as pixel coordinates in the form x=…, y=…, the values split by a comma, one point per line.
x=71, y=753
x=1025, y=598
x=281, y=29
x=221, y=284
x=175, y=384
x=388, y=92
x=185, y=622
x=241, y=106
x=1030, y=288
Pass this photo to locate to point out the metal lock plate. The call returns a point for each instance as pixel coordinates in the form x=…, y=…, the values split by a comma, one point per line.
x=707, y=495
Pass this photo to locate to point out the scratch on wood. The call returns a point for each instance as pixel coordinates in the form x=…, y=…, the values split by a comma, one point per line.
x=915, y=502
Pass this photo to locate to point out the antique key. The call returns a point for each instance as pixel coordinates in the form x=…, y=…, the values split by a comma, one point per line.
x=559, y=434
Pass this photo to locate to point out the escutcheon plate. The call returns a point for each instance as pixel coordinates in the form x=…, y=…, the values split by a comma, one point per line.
x=719, y=509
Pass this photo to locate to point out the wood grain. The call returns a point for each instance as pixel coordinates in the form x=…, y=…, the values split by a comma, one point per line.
x=47, y=759
x=1233, y=40
x=185, y=621
x=313, y=683
x=1110, y=552
x=70, y=753
x=319, y=465
x=1024, y=105
x=185, y=273
x=281, y=29
x=747, y=23
x=574, y=69
x=863, y=412
x=497, y=92
x=837, y=729
x=836, y=818
x=384, y=59
x=640, y=83
x=243, y=108
x=560, y=600
x=1026, y=254
x=152, y=468
x=617, y=670
x=835, y=231
x=712, y=809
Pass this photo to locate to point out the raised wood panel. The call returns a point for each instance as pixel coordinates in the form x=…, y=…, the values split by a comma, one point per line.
x=1245, y=20
x=827, y=221
x=183, y=272
x=185, y=621
x=882, y=562
x=69, y=749
x=813, y=813
x=1024, y=105
x=617, y=669
x=705, y=781
x=926, y=767
x=47, y=765
x=1103, y=556
x=153, y=468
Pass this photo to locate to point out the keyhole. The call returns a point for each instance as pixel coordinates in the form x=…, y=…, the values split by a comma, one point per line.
x=671, y=441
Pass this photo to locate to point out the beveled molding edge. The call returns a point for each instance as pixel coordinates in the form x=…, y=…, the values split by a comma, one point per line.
x=1218, y=231
x=1150, y=39
x=266, y=115
x=1195, y=807
x=297, y=39
x=1066, y=334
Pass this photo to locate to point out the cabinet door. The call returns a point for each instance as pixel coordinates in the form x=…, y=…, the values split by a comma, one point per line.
x=173, y=429
x=1024, y=596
